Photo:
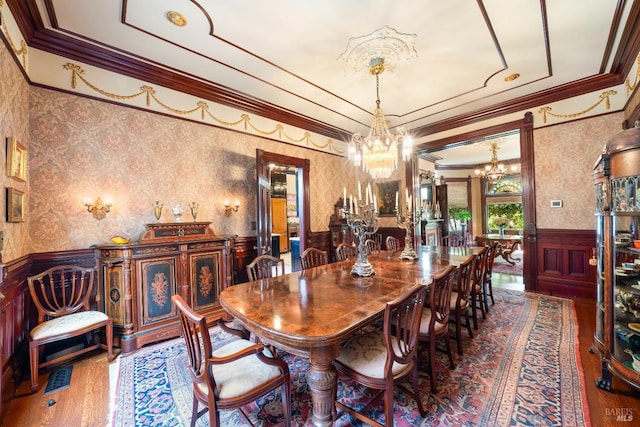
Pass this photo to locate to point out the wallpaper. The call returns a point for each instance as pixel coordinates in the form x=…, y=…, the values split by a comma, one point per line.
x=83, y=148
x=14, y=113
x=564, y=159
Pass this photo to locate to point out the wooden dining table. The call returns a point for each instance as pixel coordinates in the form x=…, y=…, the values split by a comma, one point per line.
x=310, y=312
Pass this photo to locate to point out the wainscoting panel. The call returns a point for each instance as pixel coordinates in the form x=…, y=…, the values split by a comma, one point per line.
x=563, y=263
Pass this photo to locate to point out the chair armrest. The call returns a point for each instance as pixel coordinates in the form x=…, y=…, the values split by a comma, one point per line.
x=255, y=349
x=223, y=322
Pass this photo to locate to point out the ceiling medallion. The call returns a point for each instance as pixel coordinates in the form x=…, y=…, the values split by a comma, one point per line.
x=176, y=18
x=385, y=43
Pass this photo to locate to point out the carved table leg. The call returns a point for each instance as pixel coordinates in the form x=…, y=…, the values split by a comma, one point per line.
x=323, y=382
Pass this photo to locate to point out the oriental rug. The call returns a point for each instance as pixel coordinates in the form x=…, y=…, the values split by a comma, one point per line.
x=522, y=368
x=502, y=266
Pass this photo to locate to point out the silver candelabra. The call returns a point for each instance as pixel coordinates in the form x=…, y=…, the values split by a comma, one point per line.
x=407, y=223
x=363, y=223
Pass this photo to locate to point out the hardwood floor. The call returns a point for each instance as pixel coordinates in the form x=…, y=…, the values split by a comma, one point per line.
x=86, y=401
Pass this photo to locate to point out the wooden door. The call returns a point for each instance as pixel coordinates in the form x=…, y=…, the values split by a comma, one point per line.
x=263, y=191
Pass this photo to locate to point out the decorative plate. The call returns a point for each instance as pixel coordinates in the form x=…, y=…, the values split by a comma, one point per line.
x=634, y=326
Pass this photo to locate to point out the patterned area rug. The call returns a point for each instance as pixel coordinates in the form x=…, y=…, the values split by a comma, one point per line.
x=502, y=266
x=522, y=368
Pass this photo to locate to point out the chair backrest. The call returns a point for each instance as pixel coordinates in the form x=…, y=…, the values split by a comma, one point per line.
x=492, y=251
x=454, y=240
x=393, y=244
x=61, y=290
x=402, y=318
x=378, y=238
x=194, y=330
x=481, y=266
x=345, y=251
x=313, y=257
x=265, y=266
x=440, y=296
x=371, y=246
x=466, y=271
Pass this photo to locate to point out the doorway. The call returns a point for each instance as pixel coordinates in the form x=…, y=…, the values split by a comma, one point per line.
x=267, y=165
x=525, y=129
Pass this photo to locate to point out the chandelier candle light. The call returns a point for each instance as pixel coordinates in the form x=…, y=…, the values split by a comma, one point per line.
x=362, y=218
x=493, y=171
x=377, y=153
x=407, y=223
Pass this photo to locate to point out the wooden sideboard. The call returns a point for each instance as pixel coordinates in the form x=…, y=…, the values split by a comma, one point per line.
x=138, y=280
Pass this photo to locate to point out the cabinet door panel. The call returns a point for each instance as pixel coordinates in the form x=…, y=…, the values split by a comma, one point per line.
x=158, y=285
x=206, y=280
x=115, y=291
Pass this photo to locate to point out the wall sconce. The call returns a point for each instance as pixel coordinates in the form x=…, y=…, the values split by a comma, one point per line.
x=228, y=209
x=98, y=209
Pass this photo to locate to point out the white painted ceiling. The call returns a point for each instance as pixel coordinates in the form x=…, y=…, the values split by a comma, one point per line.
x=287, y=53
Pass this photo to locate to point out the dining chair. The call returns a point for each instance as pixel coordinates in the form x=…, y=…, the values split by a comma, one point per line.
x=313, y=257
x=477, y=290
x=461, y=299
x=386, y=358
x=345, y=251
x=454, y=240
x=393, y=244
x=371, y=246
x=232, y=376
x=488, y=288
x=264, y=266
x=435, y=319
x=62, y=296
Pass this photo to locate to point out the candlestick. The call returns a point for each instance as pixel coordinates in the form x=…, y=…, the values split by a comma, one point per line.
x=344, y=197
x=407, y=223
x=363, y=222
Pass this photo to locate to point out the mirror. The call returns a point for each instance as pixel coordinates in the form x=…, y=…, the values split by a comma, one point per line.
x=427, y=192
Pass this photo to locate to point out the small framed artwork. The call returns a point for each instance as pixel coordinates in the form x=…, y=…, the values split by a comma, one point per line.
x=387, y=198
x=15, y=205
x=16, y=160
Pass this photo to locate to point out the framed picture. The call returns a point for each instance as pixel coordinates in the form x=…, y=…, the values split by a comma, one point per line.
x=387, y=197
x=15, y=205
x=16, y=160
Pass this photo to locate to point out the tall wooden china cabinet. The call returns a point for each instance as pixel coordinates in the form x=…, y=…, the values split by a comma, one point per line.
x=617, y=332
x=139, y=279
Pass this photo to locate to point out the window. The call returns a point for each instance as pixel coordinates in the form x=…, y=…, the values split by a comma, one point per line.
x=504, y=200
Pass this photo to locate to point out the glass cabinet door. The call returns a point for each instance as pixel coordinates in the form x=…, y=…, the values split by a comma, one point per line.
x=626, y=291
x=600, y=284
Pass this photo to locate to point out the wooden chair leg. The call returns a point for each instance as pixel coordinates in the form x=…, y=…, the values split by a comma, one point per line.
x=459, y=331
x=447, y=344
x=468, y=320
x=432, y=362
x=110, y=340
x=194, y=412
x=416, y=393
x=33, y=363
x=490, y=288
x=485, y=295
x=474, y=313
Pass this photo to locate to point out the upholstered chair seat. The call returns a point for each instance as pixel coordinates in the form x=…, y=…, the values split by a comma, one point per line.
x=240, y=376
x=367, y=354
x=68, y=324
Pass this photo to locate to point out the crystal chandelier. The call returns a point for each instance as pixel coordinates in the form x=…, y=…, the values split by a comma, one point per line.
x=377, y=153
x=493, y=171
